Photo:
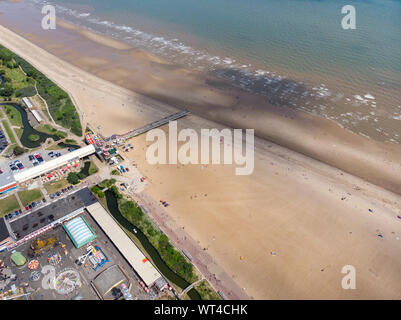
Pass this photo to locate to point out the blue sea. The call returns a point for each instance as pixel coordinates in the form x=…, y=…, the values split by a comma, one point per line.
x=258, y=43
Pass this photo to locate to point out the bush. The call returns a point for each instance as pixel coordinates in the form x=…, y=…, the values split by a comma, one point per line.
x=116, y=192
x=129, y=208
x=18, y=150
x=61, y=134
x=107, y=183
x=33, y=137
x=6, y=91
x=81, y=175
x=93, y=169
x=73, y=178
x=115, y=172
x=26, y=92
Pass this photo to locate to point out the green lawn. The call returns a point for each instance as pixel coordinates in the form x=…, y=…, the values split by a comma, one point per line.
x=53, y=187
x=18, y=79
x=46, y=129
x=50, y=130
x=29, y=196
x=8, y=205
x=9, y=131
x=13, y=115
x=18, y=132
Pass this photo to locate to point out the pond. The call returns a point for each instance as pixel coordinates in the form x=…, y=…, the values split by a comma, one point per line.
x=153, y=253
x=29, y=130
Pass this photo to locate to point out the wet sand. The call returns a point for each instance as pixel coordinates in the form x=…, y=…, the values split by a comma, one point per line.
x=288, y=219
x=216, y=100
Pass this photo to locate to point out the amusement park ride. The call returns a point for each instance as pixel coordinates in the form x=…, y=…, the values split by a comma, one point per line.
x=96, y=257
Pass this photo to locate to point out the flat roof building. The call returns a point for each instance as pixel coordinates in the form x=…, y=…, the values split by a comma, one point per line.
x=27, y=102
x=107, y=280
x=5, y=238
x=79, y=231
x=37, y=116
x=7, y=182
x=142, y=266
x=53, y=164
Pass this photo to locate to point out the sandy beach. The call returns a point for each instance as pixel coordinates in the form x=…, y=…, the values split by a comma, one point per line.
x=297, y=220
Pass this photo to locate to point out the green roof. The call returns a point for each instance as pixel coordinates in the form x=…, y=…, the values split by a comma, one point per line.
x=79, y=231
x=18, y=258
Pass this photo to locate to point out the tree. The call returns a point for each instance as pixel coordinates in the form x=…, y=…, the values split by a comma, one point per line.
x=6, y=91
x=18, y=150
x=73, y=178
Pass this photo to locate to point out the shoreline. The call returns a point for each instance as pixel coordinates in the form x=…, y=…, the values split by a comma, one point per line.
x=256, y=215
x=155, y=79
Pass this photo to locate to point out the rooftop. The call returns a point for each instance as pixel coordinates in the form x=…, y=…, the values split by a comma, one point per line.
x=128, y=249
x=3, y=230
x=54, y=163
x=41, y=217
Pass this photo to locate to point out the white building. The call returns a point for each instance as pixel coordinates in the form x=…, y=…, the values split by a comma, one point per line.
x=54, y=164
x=37, y=116
x=27, y=102
x=143, y=267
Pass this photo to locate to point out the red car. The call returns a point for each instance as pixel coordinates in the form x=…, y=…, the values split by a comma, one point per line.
x=26, y=208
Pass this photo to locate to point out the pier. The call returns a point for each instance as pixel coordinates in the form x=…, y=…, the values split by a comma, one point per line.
x=149, y=126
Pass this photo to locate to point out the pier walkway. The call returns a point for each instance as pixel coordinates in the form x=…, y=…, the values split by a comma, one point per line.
x=149, y=126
